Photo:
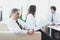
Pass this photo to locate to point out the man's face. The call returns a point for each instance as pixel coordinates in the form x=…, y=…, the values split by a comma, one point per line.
x=52, y=11
x=16, y=14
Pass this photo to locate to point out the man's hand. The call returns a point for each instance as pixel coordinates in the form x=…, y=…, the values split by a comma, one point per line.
x=52, y=24
x=30, y=32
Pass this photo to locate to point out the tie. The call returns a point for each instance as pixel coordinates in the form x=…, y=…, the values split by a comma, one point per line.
x=20, y=26
x=52, y=19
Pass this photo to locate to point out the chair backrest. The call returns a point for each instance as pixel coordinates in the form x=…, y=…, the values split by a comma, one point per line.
x=36, y=36
x=3, y=27
x=6, y=35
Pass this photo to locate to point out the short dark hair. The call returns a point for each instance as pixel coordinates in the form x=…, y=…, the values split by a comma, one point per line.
x=14, y=10
x=53, y=7
x=32, y=9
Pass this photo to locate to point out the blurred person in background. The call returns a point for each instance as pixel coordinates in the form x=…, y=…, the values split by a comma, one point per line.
x=53, y=17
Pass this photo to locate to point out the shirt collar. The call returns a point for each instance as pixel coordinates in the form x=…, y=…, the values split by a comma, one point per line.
x=12, y=19
x=53, y=14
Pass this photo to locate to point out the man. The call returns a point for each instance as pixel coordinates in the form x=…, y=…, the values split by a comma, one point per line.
x=15, y=25
x=53, y=18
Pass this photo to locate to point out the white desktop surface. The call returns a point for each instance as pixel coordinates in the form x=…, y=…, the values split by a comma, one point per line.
x=55, y=27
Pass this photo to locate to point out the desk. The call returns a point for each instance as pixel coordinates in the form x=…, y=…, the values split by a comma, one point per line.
x=57, y=28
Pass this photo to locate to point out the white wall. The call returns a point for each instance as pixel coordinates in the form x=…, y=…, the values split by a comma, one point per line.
x=43, y=7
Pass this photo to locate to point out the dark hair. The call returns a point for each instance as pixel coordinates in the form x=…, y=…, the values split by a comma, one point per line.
x=13, y=11
x=53, y=7
x=32, y=9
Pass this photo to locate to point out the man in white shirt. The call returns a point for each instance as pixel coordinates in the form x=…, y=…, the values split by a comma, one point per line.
x=16, y=25
x=53, y=18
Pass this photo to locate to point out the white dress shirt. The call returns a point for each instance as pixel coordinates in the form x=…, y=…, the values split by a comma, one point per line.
x=31, y=22
x=56, y=18
x=13, y=26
